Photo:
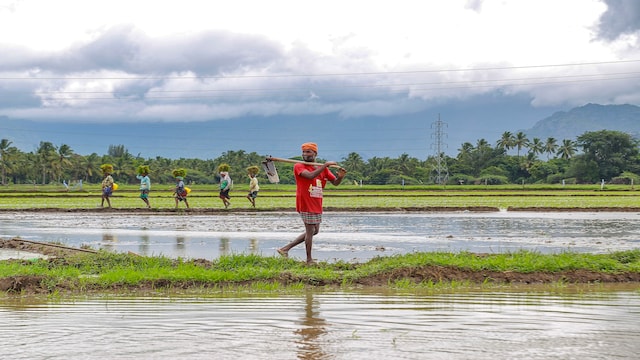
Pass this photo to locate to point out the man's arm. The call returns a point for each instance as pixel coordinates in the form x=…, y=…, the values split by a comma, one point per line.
x=317, y=171
x=341, y=173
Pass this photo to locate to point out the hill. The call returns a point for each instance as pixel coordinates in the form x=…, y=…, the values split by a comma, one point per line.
x=591, y=117
x=380, y=136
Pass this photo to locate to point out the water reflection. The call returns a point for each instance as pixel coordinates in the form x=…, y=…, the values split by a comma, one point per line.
x=224, y=246
x=109, y=241
x=180, y=248
x=312, y=328
x=570, y=323
x=143, y=247
x=345, y=236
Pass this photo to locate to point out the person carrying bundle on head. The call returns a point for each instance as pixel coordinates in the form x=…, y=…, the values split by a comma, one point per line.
x=145, y=183
x=225, y=184
x=107, y=183
x=254, y=187
x=180, y=193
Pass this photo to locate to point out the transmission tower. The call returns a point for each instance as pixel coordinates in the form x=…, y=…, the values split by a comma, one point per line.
x=438, y=135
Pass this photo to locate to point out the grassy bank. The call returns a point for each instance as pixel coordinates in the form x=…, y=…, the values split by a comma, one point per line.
x=109, y=272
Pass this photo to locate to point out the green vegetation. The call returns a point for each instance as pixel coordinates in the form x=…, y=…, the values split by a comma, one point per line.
x=611, y=156
x=104, y=271
x=277, y=196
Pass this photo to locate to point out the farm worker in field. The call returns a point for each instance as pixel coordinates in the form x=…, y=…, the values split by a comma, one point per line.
x=180, y=191
x=310, y=183
x=145, y=184
x=225, y=184
x=107, y=183
x=254, y=187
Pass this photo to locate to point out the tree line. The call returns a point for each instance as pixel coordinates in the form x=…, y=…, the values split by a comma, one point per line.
x=607, y=155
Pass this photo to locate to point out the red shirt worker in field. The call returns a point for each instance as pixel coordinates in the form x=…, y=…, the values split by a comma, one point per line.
x=310, y=182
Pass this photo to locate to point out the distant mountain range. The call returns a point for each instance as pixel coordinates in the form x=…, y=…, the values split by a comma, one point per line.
x=590, y=117
x=281, y=136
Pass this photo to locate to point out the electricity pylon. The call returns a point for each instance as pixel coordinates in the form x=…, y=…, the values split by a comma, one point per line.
x=438, y=135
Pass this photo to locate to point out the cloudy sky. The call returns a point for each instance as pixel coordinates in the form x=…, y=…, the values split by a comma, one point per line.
x=183, y=61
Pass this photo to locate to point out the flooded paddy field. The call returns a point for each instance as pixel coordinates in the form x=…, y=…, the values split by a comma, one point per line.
x=512, y=324
x=557, y=321
x=344, y=236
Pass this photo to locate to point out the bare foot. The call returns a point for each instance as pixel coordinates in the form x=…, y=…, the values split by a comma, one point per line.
x=311, y=263
x=284, y=254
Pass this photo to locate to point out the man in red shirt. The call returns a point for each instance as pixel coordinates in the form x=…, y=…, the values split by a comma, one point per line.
x=310, y=182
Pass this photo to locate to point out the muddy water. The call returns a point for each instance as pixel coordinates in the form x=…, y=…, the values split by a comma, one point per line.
x=588, y=322
x=562, y=324
x=343, y=236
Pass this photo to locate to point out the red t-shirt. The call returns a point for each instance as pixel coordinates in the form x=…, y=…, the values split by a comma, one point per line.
x=309, y=191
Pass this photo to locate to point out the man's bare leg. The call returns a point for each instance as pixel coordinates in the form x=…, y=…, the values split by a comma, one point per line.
x=311, y=230
x=284, y=251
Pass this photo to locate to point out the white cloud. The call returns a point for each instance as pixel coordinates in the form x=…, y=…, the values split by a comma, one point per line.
x=202, y=60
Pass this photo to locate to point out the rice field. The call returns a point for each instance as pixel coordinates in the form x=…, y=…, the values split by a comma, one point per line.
x=275, y=196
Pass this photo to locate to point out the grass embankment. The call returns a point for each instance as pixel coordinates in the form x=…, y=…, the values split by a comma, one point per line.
x=126, y=273
x=370, y=198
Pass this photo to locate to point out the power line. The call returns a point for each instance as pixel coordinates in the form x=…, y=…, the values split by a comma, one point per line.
x=154, y=77
x=314, y=89
x=363, y=85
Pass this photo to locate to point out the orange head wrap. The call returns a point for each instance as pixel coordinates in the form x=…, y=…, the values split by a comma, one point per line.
x=310, y=146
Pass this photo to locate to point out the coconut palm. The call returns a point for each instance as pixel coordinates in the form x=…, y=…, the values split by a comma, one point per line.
x=353, y=162
x=91, y=166
x=406, y=164
x=520, y=141
x=536, y=147
x=46, y=156
x=550, y=146
x=5, y=157
x=61, y=160
x=507, y=141
x=567, y=149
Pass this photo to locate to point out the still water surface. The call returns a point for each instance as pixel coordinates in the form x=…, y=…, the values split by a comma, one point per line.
x=343, y=236
x=583, y=324
x=592, y=322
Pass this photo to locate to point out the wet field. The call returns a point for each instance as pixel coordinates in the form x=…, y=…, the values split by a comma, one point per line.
x=549, y=322
x=533, y=324
x=343, y=236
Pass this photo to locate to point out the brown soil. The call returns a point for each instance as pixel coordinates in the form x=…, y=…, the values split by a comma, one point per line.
x=435, y=274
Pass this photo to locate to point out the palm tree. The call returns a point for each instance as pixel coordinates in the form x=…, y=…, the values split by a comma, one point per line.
x=482, y=145
x=405, y=164
x=520, y=141
x=550, y=146
x=61, y=160
x=353, y=162
x=507, y=141
x=536, y=147
x=567, y=149
x=91, y=166
x=5, y=147
x=377, y=164
x=481, y=155
x=465, y=155
x=465, y=150
x=46, y=155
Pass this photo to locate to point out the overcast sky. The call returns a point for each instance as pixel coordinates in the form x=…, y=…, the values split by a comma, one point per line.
x=372, y=70
x=206, y=60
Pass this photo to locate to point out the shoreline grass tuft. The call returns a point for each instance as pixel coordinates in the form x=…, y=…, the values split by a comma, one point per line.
x=105, y=271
